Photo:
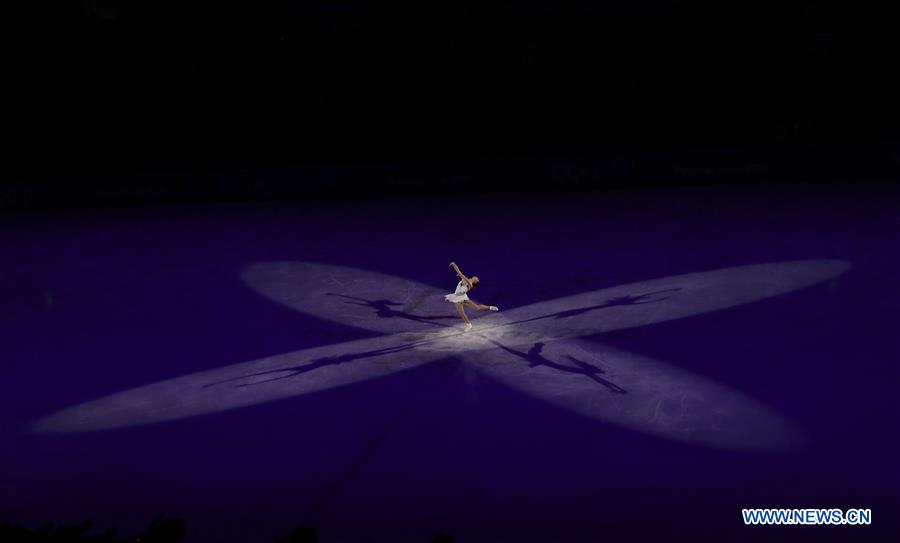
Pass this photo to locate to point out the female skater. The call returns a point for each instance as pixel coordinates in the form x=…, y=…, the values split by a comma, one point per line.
x=460, y=296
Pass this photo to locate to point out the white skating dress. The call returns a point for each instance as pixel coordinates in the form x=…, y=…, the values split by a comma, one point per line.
x=459, y=295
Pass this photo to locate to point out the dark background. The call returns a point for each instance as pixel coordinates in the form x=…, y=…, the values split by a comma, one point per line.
x=236, y=100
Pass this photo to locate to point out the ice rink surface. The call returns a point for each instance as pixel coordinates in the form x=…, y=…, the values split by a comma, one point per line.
x=657, y=354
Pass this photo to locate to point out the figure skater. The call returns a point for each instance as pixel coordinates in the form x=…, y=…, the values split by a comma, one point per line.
x=460, y=296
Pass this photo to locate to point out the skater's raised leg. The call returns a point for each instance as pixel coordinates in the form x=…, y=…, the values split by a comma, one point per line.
x=481, y=307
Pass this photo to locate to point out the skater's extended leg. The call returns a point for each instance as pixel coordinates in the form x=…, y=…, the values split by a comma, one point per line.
x=480, y=307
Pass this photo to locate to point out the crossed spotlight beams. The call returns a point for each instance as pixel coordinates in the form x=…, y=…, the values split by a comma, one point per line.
x=536, y=349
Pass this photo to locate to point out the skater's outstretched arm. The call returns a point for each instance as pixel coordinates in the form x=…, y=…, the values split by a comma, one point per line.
x=460, y=274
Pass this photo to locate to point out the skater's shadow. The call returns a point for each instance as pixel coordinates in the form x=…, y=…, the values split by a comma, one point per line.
x=385, y=310
x=639, y=299
x=315, y=364
x=535, y=357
